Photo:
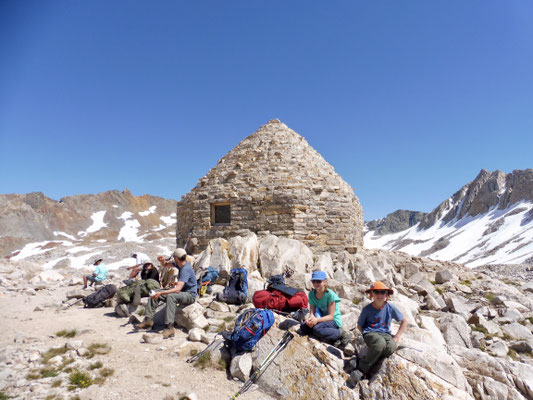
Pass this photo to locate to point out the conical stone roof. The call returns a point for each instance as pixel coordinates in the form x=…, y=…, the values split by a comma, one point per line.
x=274, y=182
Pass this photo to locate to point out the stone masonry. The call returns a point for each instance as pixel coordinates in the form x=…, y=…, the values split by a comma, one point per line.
x=273, y=182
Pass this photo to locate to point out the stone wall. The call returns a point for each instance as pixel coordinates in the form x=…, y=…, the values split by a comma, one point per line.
x=276, y=184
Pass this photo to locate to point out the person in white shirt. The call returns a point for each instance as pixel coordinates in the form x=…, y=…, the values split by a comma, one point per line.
x=140, y=260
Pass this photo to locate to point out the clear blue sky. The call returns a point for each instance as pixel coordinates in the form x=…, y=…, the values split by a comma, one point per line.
x=408, y=100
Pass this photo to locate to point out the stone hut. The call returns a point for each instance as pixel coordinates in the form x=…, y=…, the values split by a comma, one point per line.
x=273, y=182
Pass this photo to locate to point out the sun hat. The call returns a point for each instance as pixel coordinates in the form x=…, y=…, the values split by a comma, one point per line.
x=179, y=252
x=99, y=259
x=379, y=286
x=319, y=276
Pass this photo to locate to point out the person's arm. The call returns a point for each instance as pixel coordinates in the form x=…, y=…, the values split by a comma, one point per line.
x=96, y=271
x=331, y=313
x=175, y=289
x=403, y=326
x=360, y=328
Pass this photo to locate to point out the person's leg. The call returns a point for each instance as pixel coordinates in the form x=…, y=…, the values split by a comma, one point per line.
x=376, y=344
x=390, y=347
x=149, y=313
x=305, y=329
x=327, y=331
x=85, y=281
x=182, y=298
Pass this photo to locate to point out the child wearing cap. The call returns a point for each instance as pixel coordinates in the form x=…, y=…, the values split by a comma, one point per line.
x=99, y=274
x=324, y=320
x=374, y=323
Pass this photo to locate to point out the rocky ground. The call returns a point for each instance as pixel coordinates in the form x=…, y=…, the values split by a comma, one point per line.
x=469, y=334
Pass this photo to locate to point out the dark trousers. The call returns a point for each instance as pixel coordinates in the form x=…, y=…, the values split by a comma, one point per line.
x=380, y=345
x=325, y=331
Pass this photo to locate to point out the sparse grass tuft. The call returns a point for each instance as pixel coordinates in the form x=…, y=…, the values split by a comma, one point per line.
x=206, y=328
x=193, y=352
x=80, y=379
x=52, y=353
x=56, y=383
x=229, y=318
x=141, y=311
x=481, y=329
x=513, y=354
x=490, y=296
x=221, y=328
x=204, y=360
x=96, y=365
x=33, y=375
x=530, y=319
x=98, y=348
x=222, y=365
x=48, y=372
x=4, y=396
x=356, y=301
x=466, y=282
x=106, y=372
x=67, y=334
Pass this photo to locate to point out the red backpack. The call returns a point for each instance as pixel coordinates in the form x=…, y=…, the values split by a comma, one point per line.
x=277, y=300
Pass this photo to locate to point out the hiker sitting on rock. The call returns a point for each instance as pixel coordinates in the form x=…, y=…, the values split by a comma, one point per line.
x=374, y=323
x=140, y=260
x=182, y=292
x=99, y=274
x=324, y=320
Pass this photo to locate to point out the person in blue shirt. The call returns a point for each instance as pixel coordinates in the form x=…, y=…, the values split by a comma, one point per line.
x=183, y=292
x=99, y=274
x=374, y=323
x=324, y=320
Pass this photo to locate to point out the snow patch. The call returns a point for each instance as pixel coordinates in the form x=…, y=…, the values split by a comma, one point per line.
x=65, y=234
x=171, y=219
x=129, y=231
x=151, y=210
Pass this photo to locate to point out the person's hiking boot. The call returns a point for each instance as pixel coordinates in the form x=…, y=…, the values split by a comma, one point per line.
x=136, y=296
x=344, y=340
x=169, y=332
x=146, y=324
x=355, y=377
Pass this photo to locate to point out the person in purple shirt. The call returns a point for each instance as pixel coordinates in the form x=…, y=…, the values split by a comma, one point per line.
x=374, y=323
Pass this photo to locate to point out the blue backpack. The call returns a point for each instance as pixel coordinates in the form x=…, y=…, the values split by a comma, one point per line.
x=251, y=326
x=237, y=287
x=206, y=280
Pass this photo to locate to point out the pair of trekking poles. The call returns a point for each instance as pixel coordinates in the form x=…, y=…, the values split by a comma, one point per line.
x=278, y=348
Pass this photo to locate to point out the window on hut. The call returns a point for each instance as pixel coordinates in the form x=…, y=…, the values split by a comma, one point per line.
x=220, y=214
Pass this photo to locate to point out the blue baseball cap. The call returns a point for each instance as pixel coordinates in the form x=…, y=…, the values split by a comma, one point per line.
x=319, y=276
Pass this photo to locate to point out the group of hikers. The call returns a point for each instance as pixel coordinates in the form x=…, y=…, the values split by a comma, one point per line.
x=177, y=284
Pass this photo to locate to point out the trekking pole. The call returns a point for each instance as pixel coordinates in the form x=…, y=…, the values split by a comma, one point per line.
x=73, y=304
x=209, y=346
x=284, y=341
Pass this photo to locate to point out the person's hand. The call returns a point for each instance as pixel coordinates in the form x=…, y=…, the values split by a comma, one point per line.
x=156, y=295
x=311, y=321
x=396, y=339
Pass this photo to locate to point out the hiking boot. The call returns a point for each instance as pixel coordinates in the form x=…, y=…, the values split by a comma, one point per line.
x=146, y=324
x=355, y=377
x=344, y=340
x=169, y=332
x=136, y=296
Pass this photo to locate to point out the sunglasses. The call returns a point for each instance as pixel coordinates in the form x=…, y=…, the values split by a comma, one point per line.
x=380, y=291
x=316, y=281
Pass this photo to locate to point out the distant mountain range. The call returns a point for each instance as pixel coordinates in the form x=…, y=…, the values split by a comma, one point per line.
x=487, y=221
x=79, y=227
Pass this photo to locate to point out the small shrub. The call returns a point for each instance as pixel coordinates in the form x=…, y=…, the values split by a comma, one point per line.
x=52, y=353
x=356, y=301
x=507, y=337
x=80, y=379
x=4, y=396
x=530, y=319
x=68, y=334
x=56, y=383
x=439, y=290
x=96, y=365
x=203, y=361
x=206, y=328
x=141, y=311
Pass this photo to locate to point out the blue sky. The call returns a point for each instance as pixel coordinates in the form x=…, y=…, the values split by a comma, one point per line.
x=408, y=100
